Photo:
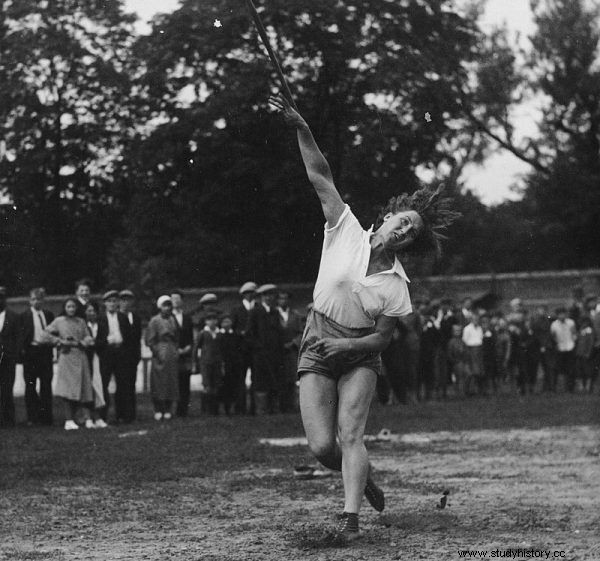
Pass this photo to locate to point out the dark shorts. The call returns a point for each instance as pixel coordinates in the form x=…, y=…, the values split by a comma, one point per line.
x=319, y=326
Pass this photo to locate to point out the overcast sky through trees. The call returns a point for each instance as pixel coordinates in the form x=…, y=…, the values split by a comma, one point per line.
x=492, y=181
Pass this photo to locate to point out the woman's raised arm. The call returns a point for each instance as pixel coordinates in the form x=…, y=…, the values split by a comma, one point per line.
x=317, y=168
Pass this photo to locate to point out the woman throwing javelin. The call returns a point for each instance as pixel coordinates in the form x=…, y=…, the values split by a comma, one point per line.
x=361, y=291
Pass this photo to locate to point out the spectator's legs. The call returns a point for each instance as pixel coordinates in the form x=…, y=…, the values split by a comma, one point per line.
x=7, y=382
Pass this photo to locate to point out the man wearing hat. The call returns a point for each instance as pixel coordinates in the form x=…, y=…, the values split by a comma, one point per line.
x=131, y=355
x=265, y=334
x=9, y=344
x=112, y=342
x=239, y=319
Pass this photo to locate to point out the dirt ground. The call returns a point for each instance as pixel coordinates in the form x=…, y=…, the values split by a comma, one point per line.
x=173, y=492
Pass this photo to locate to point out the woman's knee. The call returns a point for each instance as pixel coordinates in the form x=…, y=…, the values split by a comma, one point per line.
x=350, y=437
x=322, y=447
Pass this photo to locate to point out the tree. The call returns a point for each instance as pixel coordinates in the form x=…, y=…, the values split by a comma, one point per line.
x=65, y=114
x=364, y=73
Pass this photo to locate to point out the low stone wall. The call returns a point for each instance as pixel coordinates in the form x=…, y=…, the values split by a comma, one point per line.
x=549, y=287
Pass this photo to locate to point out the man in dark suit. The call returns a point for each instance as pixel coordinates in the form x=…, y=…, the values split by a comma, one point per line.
x=83, y=291
x=292, y=327
x=239, y=319
x=265, y=334
x=9, y=350
x=132, y=354
x=112, y=342
x=184, y=349
x=36, y=355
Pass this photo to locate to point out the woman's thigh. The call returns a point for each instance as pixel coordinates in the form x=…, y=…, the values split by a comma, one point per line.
x=355, y=390
x=318, y=407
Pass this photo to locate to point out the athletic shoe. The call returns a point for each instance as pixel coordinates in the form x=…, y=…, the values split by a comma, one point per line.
x=71, y=425
x=100, y=424
x=89, y=424
x=167, y=416
x=374, y=494
x=344, y=532
x=158, y=416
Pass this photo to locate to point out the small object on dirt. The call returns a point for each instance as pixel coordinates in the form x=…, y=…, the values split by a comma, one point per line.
x=304, y=472
x=310, y=472
x=133, y=433
x=428, y=117
x=444, y=499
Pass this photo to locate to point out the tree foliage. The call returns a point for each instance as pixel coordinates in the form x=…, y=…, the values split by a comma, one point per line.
x=65, y=114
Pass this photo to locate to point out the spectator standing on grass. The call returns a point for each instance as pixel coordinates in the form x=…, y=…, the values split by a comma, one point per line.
x=73, y=381
x=529, y=358
x=446, y=318
x=584, y=351
x=428, y=357
x=502, y=350
x=95, y=420
x=540, y=325
x=472, y=337
x=185, y=346
x=132, y=354
x=564, y=334
x=37, y=356
x=239, y=318
x=232, y=351
x=113, y=341
x=594, y=314
x=488, y=352
x=83, y=292
x=266, y=337
x=455, y=352
x=9, y=352
x=413, y=327
x=211, y=362
x=162, y=338
x=291, y=324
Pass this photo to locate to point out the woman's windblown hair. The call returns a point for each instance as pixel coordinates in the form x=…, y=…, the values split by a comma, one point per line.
x=435, y=210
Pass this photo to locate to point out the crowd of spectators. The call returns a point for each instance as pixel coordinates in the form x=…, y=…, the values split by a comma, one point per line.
x=246, y=357
x=443, y=349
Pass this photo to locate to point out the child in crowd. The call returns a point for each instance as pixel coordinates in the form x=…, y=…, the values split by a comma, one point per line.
x=456, y=358
x=232, y=353
x=211, y=362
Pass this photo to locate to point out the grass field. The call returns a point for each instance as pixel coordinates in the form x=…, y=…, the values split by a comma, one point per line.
x=521, y=474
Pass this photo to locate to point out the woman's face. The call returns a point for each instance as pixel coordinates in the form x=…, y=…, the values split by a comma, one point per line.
x=399, y=230
x=166, y=309
x=70, y=308
x=90, y=314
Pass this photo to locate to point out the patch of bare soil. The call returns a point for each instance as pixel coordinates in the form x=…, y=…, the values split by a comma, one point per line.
x=518, y=489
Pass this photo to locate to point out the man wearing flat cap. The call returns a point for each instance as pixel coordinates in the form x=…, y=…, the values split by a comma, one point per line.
x=112, y=342
x=131, y=356
x=9, y=343
x=239, y=319
x=265, y=334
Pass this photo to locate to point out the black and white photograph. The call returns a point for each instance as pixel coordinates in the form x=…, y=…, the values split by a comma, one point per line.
x=312, y=280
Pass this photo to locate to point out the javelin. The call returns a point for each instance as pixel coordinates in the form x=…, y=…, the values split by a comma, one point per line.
x=272, y=55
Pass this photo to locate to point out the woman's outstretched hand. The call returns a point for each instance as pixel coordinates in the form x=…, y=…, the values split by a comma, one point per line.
x=289, y=114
